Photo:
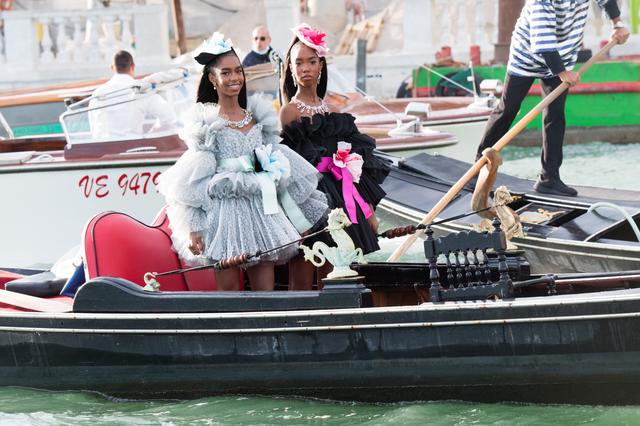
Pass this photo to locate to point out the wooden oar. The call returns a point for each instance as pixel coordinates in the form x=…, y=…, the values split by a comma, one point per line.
x=475, y=169
x=33, y=303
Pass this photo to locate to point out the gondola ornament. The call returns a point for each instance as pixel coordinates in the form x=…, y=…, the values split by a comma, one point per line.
x=342, y=256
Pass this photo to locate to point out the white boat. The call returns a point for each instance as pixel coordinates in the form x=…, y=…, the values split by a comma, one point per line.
x=51, y=185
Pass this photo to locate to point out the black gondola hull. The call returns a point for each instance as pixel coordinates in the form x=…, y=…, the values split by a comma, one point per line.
x=560, y=349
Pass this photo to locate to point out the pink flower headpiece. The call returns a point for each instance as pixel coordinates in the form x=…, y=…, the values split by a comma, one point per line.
x=312, y=38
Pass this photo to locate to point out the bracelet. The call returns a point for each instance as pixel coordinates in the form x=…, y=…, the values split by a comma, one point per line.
x=618, y=25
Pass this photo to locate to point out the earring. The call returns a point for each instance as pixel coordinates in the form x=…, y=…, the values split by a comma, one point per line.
x=319, y=75
x=295, y=82
x=214, y=87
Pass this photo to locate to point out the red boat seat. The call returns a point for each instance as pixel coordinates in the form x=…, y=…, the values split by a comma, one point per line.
x=6, y=276
x=117, y=245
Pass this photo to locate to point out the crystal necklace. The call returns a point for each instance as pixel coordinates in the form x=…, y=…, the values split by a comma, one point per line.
x=323, y=108
x=248, y=116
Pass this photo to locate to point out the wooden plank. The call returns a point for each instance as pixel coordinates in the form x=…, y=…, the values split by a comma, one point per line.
x=33, y=303
x=344, y=46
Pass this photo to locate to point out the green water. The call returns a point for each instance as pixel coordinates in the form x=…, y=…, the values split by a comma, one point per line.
x=590, y=164
x=28, y=407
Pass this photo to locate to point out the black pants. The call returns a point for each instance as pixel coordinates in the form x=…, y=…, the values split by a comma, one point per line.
x=514, y=92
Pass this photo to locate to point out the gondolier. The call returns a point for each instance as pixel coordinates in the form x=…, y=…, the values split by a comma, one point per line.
x=545, y=45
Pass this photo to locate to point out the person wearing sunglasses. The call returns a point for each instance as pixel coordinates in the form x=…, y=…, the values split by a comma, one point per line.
x=261, y=51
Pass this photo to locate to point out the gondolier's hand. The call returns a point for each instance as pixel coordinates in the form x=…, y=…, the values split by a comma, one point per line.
x=570, y=77
x=196, y=245
x=621, y=34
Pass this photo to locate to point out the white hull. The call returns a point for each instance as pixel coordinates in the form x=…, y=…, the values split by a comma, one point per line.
x=46, y=207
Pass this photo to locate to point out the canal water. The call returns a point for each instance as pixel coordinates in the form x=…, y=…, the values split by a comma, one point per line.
x=599, y=164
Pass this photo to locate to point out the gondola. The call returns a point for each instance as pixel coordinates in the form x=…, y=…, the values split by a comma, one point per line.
x=480, y=329
x=596, y=231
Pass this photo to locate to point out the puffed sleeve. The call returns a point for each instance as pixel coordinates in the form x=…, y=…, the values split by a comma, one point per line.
x=374, y=171
x=298, y=136
x=184, y=185
x=302, y=187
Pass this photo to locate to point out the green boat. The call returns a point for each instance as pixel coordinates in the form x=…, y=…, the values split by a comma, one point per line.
x=605, y=106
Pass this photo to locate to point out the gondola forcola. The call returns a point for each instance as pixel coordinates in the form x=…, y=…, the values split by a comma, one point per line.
x=515, y=130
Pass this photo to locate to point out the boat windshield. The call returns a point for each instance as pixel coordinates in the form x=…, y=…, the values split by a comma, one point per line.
x=136, y=113
x=5, y=130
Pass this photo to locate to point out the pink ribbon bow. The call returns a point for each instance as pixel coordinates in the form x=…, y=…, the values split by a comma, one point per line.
x=348, y=168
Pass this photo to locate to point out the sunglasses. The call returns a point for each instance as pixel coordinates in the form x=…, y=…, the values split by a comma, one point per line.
x=263, y=38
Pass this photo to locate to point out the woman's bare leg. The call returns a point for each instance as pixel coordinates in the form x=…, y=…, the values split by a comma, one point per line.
x=228, y=280
x=301, y=274
x=262, y=277
x=323, y=271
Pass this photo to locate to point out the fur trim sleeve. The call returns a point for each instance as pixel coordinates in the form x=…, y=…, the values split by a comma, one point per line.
x=264, y=113
x=201, y=123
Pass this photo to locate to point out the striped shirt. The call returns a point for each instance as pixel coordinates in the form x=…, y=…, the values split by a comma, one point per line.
x=546, y=27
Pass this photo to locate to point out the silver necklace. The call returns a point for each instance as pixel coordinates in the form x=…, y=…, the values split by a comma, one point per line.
x=248, y=116
x=323, y=108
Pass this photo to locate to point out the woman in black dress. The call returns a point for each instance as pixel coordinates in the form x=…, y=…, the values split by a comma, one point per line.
x=331, y=142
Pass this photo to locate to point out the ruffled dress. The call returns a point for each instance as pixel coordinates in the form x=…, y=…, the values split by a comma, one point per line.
x=316, y=138
x=244, y=192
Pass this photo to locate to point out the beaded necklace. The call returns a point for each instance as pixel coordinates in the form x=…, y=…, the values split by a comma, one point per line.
x=323, y=108
x=248, y=116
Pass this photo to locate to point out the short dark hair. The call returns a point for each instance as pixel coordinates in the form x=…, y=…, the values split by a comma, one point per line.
x=122, y=61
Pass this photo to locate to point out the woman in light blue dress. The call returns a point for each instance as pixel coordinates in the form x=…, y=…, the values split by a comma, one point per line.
x=236, y=189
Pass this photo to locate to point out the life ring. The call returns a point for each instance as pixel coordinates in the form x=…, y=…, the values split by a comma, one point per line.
x=6, y=4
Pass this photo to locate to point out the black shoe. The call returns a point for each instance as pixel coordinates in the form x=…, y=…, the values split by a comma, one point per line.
x=555, y=186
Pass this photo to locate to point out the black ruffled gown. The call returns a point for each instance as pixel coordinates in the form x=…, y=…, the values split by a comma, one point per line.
x=317, y=137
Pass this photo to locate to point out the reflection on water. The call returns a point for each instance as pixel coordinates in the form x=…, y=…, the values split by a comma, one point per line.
x=590, y=164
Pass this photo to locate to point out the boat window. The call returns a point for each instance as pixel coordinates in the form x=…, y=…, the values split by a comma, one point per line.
x=34, y=119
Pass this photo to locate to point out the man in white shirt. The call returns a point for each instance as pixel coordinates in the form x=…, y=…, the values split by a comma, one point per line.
x=120, y=116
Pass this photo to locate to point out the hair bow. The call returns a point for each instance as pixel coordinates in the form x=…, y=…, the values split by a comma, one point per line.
x=212, y=47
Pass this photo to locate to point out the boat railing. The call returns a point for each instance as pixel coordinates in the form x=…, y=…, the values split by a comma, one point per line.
x=88, y=120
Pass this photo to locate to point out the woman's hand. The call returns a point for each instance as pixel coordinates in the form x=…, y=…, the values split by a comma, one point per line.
x=196, y=245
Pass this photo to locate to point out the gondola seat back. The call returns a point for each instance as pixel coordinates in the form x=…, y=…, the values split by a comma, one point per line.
x=117, y=245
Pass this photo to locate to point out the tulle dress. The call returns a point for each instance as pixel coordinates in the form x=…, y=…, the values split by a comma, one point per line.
x=244, y=192
x=317, y=137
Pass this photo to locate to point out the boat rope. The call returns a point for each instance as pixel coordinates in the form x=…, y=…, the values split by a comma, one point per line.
x=410, y=229
x=594, y=207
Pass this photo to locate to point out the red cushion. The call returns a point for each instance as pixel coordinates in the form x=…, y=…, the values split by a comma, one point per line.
x=117, y=245
x=6, y=276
